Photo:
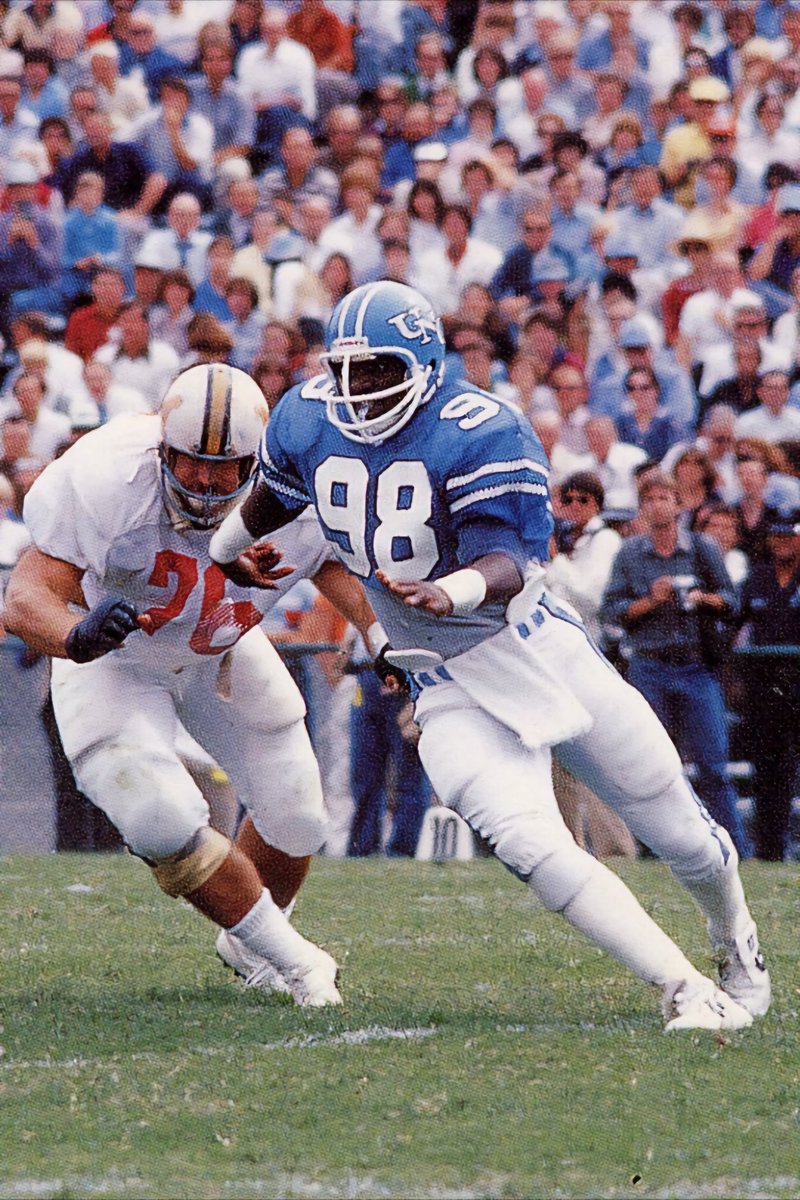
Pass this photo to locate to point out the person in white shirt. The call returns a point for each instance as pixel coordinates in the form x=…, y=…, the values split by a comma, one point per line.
x=47, y=430
x=578, y=573
x=124, y=98
x=707, y=317
x=773, y=420
x=278, y=70
x=183, y=244
x=136, y=360
x=464, y=260
x=355, y=232
x=614, y=462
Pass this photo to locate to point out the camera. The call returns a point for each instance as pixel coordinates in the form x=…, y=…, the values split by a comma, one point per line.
x=683, y=585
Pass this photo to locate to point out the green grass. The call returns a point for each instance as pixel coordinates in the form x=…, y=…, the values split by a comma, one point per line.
x=524, y=1063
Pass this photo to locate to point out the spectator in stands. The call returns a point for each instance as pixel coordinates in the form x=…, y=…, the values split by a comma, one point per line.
x=729, y=361
x=755, y=462
x=123, y=98
x=721, y=526
x=614, y=462
x=343, y=127
x=140, y=54
x=136, y=359
x=218, y=97
x=43, y=93
x=773, y=420
x=89, y=326
x=30, y=248
x=110, y=399
x=209, y=341
x=330, y=41
x=56, y=140
x=718, y=439
x=697, y=487
x=184, y=157
x=772, y=619
x=46, y=429
x=247, y=327
x=91, y=237
x=18, y=124
x=642, y=421
x=724, y=214
x=688, y=144
x=571, y=394
x=773, y=263
x=662, y=583
x=354, y=233
x=130, y=184
x=695, y=242
x=769, y=141
x=297, y=170
x=278, y=72
x=210, y=292
x=169, y=319
x=649, y=221
x=635, y=342
x=182, y=244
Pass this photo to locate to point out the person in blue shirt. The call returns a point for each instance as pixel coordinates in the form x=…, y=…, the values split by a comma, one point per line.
x=434, y=493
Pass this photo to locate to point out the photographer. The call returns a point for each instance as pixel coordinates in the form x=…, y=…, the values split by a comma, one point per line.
x=671, y=593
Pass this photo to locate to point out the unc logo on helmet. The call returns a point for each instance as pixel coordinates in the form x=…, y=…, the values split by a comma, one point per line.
x=385, y=356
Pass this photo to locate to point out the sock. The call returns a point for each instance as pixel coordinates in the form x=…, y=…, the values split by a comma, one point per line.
x=266, y=931
x=611, y=916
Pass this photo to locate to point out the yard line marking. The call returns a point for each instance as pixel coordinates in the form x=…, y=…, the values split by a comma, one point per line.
x=349, y=1037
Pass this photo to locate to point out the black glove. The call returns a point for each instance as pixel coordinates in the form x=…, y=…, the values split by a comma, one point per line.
x=103, y=629
x=386, y=671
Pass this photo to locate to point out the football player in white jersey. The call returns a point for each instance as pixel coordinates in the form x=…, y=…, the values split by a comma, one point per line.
x=121, y=526
x=435, y=494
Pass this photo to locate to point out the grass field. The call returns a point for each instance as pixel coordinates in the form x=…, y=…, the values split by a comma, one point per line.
x=484, y=1050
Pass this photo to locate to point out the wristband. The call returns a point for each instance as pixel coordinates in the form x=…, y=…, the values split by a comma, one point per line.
x=376, y=639
x=466, y=589
x=230, y=539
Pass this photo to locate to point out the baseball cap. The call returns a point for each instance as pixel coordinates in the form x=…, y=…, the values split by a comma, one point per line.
x=788, y=199
x=708, y=87
x=634, y=333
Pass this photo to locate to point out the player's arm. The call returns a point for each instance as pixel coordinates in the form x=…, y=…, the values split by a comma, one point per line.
x=38, y=609
x=491, y=578
x=347, y=594
x=262, y=512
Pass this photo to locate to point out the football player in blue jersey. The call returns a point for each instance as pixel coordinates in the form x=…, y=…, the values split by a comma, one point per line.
x=434, y=494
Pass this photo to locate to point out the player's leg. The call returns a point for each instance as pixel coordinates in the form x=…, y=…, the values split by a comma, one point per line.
x=119, y=735
x=628, y=760
x=253, y=726
x=480, y=769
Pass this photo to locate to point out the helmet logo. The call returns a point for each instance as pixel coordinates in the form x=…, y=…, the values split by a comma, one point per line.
x=412, y=325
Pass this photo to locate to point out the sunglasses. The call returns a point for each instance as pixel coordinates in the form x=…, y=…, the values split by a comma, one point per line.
x=640, y=387
x=743, y=456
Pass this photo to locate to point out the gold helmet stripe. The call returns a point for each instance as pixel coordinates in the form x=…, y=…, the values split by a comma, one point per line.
x=217, y=417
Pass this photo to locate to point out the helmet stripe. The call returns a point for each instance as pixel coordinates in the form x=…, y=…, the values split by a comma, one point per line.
x=362, y=312
x=217, y=415
x=348, y=300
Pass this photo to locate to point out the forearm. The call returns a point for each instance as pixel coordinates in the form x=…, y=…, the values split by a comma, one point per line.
x=38, y=614
x=260, y=514
x=347, y=595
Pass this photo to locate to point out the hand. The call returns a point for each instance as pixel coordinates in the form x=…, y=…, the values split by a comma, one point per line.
x=102, y=630
x=395, y=680
x=711, y=600
x=662, y=589
x=419, y=593
x=257, y=567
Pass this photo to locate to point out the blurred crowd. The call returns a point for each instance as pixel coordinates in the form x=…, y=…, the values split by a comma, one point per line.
x=601, y=197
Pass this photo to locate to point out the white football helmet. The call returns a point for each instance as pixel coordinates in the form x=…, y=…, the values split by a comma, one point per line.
x=211, y=413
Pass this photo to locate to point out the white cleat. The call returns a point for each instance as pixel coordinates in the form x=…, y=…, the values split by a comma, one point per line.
x=743, y=973
x=700, y=1004
x=314, y=986
x=255, y=970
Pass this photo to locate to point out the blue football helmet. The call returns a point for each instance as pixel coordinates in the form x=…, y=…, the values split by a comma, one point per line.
x=385, y=356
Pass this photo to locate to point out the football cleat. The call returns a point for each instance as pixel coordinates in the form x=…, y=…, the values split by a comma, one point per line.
x=255, y=970
x=700, y=1004
x=743, y=973
x=314, y=986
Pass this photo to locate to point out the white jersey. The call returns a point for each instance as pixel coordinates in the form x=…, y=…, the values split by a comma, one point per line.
x=100, y=507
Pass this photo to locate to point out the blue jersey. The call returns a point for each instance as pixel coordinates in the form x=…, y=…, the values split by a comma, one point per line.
x=466, y=476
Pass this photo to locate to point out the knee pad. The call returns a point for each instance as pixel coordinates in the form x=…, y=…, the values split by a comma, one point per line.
x=296, y=834
x=559, y=878
x=146, y=793
x=194, y=864
x=680, y=831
